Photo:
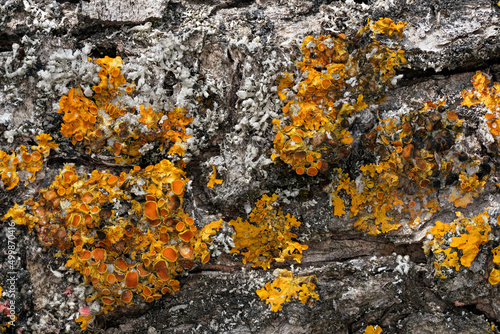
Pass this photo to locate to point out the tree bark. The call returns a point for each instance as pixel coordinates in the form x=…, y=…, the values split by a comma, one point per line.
x=221, y=60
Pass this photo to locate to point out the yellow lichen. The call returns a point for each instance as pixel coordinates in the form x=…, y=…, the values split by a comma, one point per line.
x=22, y=164
x=287, y=286
x=387, y=27
x=213, y=178
x=412, y=151
x=469, y=187
x=373, y=330
x=494, y=277
x=84, y=320
x=490, y=97
x=210, y=229
x=413, y=154
x=457, y=243
x=266, y=237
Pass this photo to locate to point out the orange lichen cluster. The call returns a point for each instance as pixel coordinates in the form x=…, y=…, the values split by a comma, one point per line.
x=457, y=243
x=387, y=27
x=468, y=188
x=23, y=165
x=127, y=234
x=287, y=286
x=490, y=97
x=373, y=201
x=411, y=151
x=339, y=76
x=266, y=237
x=103, y=122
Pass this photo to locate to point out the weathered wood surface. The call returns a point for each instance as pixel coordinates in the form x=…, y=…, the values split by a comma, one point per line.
x=232, y=52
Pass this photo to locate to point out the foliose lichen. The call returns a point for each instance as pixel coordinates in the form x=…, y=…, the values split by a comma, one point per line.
x=414, y=161
x=457, y=243
x=337, y=76
x=23, y=165
x=127, y=234
x=266, y=236
x=287, y=286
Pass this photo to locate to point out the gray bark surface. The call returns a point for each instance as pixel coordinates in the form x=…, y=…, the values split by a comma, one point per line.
x=220, y=60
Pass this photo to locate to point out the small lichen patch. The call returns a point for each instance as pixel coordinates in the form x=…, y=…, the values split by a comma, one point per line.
x=22, y=164
x=457, y=243
x=373, y=329
x=494, y=277
x=287, y=286
x=490, y=97
x=266, y=236
x=213, y=178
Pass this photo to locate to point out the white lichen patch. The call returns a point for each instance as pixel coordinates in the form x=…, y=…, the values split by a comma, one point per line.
x=66, y=69
x=403, y=264
x=162, y=63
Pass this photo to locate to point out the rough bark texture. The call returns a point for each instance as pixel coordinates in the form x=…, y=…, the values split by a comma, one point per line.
x=220, y=60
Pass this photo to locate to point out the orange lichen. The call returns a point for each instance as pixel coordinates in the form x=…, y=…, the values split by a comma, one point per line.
x=186, y=236
x=494, y=277
x=468, y=188
x=373, y=330
x=141, y=249
x=151, y=210
x=387, y=27
x=131, y=279
x=22, y=165
x=266, y=236
x=463, y=234
x=338, y=81
x=413, y=154
x=126, y=296
x=100, y=121
x=213, y=178
x=169, y=254
x=287, y=286
x=177, y=187
x=490, y=97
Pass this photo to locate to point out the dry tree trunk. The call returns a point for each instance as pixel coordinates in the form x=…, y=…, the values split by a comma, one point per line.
x=221, y=61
